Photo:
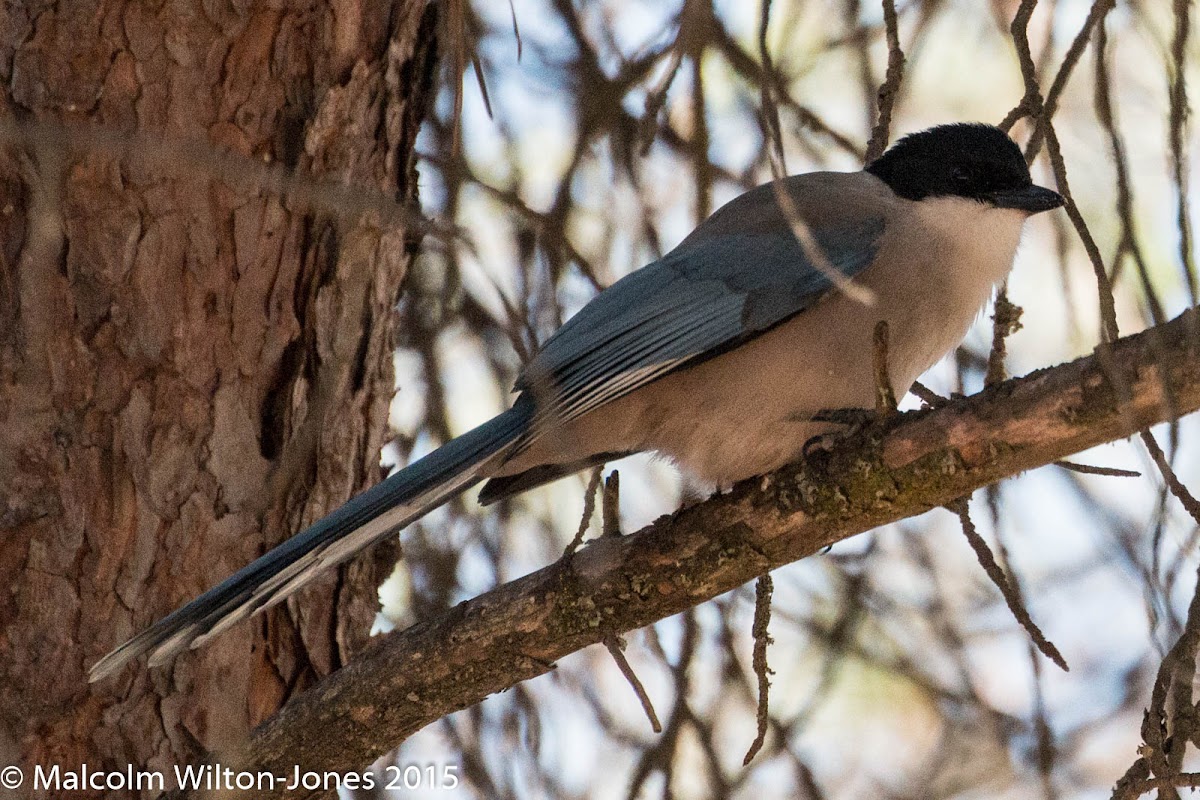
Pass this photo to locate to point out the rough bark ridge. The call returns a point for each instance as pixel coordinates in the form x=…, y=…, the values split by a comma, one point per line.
x=172, y=343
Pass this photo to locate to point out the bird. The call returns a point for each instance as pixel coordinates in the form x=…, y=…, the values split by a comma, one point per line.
x=717, y=356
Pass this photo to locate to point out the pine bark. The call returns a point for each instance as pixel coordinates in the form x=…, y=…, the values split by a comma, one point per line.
x=192, y=365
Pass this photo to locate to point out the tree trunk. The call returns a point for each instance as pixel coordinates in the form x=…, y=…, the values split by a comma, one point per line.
x=192, y=365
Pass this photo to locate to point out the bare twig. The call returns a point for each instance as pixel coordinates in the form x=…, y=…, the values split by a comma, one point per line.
x=762, y=640
x=770, y=111
x=1108, y=311
x=1185, y=498
x=616, y=647
x=589, y=508
x=1008, y=588
x=1136, y=788
x=611, y=505
x=812, y=250
x=1177, y=122
x=1006, y=320
x=927, y=395
x=1095, y=19
x=181, y=157
x=891, y=84
x=1046, y=750
x=1128, y=244
x=1031, y=102
x=1169, y=723
x=1088, y=469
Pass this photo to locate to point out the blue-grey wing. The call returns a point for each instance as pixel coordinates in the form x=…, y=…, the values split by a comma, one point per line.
x=729, y=281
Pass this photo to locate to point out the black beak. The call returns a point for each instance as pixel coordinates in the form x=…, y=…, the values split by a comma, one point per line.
x=1030, y=199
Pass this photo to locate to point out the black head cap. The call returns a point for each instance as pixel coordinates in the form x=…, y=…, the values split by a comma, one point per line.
x=965, y=159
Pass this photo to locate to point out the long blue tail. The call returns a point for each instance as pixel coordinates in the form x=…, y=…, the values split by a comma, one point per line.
x=379, y=511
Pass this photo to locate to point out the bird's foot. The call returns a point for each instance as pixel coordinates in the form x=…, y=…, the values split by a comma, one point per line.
x=854, y=422
x=853, y=418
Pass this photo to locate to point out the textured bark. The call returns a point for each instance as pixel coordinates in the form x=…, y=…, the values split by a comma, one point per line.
x=408, y=679
x=191, y=368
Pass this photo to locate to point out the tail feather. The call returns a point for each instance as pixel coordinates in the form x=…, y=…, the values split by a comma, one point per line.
x=367, y=518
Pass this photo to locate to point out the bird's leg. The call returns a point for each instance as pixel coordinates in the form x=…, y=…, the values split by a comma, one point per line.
x=857, y=419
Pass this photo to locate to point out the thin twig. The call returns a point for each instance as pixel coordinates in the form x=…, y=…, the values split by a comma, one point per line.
x=1002, y=582
x=762, y=640
x=1167, y=724
x=610, y=507
x=589, y=508
x=800, y=230
x=1108, y=312
x=927, y=395
x=770, y=111
x=1179, y=780
x=1128, y=243
x=1095, y=18
x=1185, y=497
x=1030, y=104
x=890, y=88
x=1006, y=320
x=1088, y=469
x=1178, y=122
x=812, y=250
x=657, y=96
x=614, y=645
x=185, y=156
x=1046, y=750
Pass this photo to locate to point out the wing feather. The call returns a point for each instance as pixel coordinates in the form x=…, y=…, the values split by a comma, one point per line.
x=720, y=287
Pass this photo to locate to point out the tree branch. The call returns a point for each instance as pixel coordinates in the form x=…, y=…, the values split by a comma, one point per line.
x=923, y=460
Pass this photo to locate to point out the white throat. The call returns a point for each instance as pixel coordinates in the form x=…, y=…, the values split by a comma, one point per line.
x=983, y=238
